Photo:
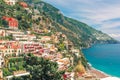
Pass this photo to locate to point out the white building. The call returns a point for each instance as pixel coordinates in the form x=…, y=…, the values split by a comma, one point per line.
x=11, y=2
x=8, y=32
x=1, y=60
x=24, y=37
x=10, y=47
x=2, y=33
x=1, y=74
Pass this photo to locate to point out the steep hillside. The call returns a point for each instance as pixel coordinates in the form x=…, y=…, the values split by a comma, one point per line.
x=16, y=11
x=42, y=19
x=80, y=33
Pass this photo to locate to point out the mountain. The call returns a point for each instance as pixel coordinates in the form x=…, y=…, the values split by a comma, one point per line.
x=78, y=32
x=81, y=34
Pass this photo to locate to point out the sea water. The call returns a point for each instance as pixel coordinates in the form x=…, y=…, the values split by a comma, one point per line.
x=105, y=57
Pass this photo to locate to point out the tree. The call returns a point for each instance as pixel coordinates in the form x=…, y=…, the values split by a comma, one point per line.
x=10, y=37
x=61, y=47
x=42, y=69
x=6, y=72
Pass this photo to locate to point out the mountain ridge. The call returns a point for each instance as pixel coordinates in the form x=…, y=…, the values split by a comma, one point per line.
x=85, y=34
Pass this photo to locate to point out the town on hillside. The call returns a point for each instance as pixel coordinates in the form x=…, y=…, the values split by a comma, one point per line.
x=42, y=42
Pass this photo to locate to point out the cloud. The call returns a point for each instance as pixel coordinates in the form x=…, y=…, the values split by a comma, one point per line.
x=101, y=14
x=110, y=25
x=116, y=36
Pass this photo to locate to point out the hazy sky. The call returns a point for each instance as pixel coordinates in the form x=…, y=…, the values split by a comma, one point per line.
x=103, y=15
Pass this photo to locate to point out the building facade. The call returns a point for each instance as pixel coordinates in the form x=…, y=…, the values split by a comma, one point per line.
x=12, y=22
x=10, y=2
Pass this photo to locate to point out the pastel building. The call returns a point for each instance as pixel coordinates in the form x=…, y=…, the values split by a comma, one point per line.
x=45, y=39
x=10, y=47
x=32, y=47
x=22, y=37
x=2, y=33
x=1, y=75
x=10, y=2
x=12, y=22
x=23, y=4
x=1, y=60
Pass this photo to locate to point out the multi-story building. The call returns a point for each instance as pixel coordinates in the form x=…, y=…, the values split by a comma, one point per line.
x=1, y=60
x=1, y=75
x=12, y=22
x=10, y=2
x=10, y=47
x=23, y=37
x=31, y=47
x=23, y=4
x=2, y=33
x=45, y=39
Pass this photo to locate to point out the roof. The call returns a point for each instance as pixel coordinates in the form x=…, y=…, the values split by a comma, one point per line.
x=12, y=22
x=12, y=44
x=46, y=37
x=25, y=5
x=9, y=18
x=15, y=45
x=2, y=47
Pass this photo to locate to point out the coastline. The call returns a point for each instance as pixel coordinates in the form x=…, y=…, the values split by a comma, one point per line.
x=99, y=74
x=102, y=75
x=113, y=74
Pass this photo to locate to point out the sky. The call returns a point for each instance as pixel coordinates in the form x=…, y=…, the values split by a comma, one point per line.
x=103, y=15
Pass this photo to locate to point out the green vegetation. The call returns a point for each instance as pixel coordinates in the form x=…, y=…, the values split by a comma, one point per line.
x=33, y=1
x=14, y=64
x=22, y=15
x=79, y=33
x=61, y=47
x=41, y=69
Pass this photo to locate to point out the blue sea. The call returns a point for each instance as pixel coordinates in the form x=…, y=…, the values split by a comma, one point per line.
x=105, y=57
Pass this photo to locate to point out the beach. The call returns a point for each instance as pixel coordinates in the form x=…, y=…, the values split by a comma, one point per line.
x=98, y=73
x=102, y=75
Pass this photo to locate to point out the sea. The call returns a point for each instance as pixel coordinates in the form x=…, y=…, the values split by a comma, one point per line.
x=104, y=57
